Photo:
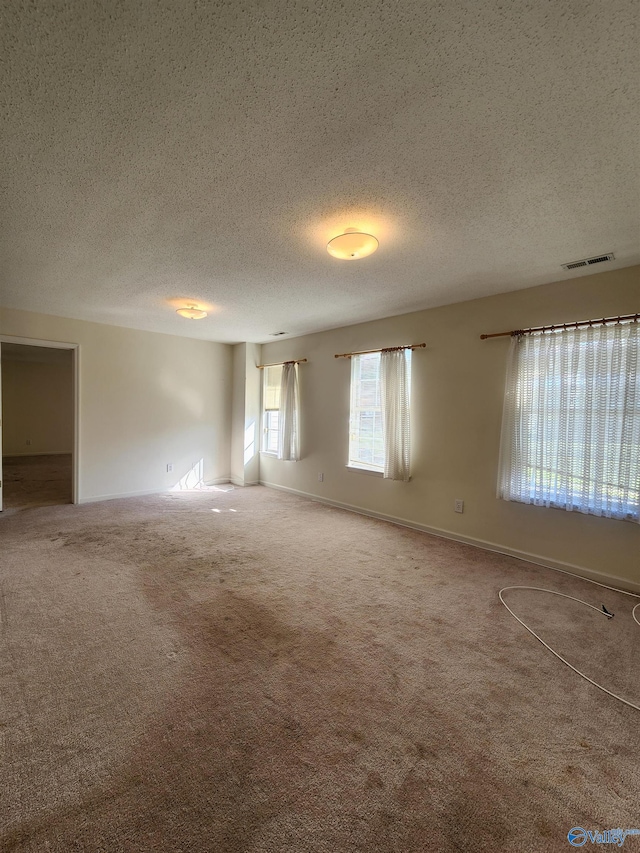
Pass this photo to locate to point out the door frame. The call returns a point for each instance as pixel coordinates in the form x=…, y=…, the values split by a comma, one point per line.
x=75, y=367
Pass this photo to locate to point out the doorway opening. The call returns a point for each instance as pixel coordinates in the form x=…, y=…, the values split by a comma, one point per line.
x=38, y=425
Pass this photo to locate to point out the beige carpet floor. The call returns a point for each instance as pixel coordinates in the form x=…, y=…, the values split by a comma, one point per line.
x=243, y=671
x=30, y=481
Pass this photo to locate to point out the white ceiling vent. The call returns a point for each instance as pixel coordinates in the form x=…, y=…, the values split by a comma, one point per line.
x=586, y=262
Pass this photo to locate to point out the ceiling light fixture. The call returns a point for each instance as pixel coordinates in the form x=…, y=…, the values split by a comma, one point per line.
x=352, y=245
x=192, y=312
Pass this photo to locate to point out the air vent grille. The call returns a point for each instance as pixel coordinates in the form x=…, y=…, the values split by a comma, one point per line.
x=587, y=262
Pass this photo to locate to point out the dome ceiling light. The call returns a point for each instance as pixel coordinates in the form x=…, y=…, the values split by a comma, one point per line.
x=192, y=312
x=352, y=245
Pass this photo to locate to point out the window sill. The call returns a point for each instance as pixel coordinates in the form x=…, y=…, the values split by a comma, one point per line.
x=364, y=471
x=373, y=473
x=531, y=500
x=268, y=453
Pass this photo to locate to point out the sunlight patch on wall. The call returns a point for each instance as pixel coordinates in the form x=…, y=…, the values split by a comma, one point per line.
x=249, y=442
x=193, y=479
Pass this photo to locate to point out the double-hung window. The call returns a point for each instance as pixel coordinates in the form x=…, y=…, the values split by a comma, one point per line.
x=281, y=411
x=571, y=423
x=272, y=381
x=366, y=442
x=379, y=413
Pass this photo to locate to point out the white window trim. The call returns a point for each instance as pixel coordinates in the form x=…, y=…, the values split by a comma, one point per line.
x=352, y=463
x=393, y=393
x=263, y=421
x=362, y=470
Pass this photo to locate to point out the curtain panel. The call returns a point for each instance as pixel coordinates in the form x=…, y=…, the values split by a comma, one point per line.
x=289, y=420
x=395, y=383
x=571, y=422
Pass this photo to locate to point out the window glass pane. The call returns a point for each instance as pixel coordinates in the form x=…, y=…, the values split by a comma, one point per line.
x=271, y=390
x=271, y=432
x=366, y=444
x=270, y=406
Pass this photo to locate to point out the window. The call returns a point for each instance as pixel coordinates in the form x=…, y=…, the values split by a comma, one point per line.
x=571, y=424
x=379, y=415
x=281, y=411
x=366, y=443
x=272, y=380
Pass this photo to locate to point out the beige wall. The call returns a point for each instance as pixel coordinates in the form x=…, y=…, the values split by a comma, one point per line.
x=252, y=416
x=145, y=400
x=37, y=405
x=239, y=369
x=245, y=419
x=458, y=383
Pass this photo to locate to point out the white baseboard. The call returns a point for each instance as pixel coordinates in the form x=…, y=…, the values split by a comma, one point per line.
x=39, y=453
x=538, y=560
x=95, y=498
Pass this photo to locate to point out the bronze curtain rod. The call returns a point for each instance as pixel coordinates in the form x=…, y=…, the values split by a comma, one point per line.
x=384, y=349
x=277, y=363
x=558, y=326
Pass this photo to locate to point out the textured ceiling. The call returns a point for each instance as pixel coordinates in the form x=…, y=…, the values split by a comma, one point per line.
x=156, y=151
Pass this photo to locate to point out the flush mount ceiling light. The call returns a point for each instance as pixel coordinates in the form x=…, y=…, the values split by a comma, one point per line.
x=192, y=312
x=352, y=245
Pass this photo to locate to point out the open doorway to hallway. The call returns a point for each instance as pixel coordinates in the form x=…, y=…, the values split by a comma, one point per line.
x=37, y=425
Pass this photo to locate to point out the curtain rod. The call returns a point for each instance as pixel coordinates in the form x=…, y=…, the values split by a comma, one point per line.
x=278, y=363
x=369, y=351
x=558, y=326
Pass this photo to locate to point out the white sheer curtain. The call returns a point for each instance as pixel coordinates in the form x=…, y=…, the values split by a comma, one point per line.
x=571, y=422
x=395, y=387
x=289, y=419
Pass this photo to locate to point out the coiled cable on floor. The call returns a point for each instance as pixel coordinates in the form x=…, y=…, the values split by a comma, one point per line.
x=602, y=612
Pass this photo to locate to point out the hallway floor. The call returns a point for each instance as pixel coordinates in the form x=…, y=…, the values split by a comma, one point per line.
x=31, y=481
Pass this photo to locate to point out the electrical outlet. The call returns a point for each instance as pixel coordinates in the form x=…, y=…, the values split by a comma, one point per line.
x=28, y=442
x=320, y=477
x=169, y=467
x=458, y=505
